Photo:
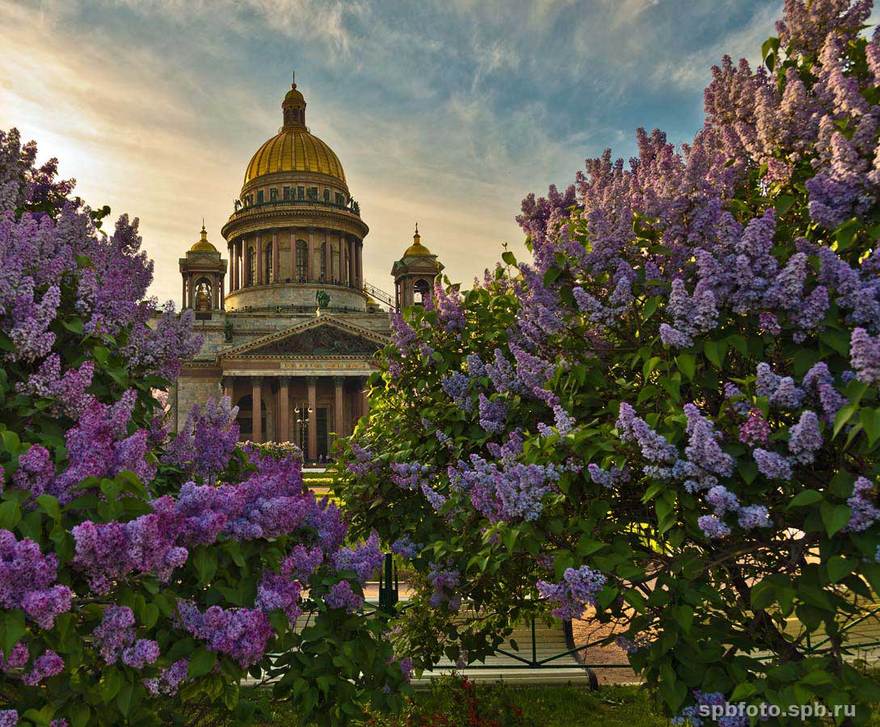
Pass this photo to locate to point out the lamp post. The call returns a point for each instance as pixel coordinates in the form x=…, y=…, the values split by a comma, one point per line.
x=302, y=413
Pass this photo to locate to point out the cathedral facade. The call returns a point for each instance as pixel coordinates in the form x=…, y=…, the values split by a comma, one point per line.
x=290, y=326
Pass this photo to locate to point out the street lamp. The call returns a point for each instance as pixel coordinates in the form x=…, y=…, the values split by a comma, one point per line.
x=302, y=413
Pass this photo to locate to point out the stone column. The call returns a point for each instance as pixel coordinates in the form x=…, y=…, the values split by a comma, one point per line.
x=236, y=266
x=259, y=280
x=222, y=293
x=313, y=417
x=183, y=294
x=360, y=262
x=339, y=422
x=276, y=259
x=257, y=409
x=228, y=386
x=283, y=410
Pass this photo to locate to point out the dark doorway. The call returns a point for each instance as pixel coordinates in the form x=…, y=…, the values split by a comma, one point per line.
x=323, y=431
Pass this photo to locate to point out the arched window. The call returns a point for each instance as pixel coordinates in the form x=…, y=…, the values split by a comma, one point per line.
x=267, y=265
x=323, y=261
x=421, y=288
x=302, y=259
x=251, y=266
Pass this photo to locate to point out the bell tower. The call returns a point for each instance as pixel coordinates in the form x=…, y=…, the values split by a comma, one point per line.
x=414, y=274
x=204, y=273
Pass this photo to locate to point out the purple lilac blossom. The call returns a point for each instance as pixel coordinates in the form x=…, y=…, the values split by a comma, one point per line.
x=363, y=559
x=863, y=511
x=240, y=633
x=169, y=680
x=206, y=441
x=772, y=465
x=805, y=438
x=342, y=596
x=574, y=593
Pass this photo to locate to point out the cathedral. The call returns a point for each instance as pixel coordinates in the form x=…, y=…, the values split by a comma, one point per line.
x=290, y=326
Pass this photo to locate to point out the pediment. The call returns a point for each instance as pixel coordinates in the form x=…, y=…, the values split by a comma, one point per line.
x=321, y=337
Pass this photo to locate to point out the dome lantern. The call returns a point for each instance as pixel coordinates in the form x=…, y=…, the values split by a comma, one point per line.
x=294, y=107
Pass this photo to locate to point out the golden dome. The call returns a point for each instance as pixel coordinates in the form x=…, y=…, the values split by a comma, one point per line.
x=417, y=249
x=294, y=149
x=202, y=244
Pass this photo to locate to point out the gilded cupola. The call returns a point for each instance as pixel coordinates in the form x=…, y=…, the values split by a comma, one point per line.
x=294, y=148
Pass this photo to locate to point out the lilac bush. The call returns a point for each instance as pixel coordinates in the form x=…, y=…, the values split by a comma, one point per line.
x=687, y=370
x=143, y=575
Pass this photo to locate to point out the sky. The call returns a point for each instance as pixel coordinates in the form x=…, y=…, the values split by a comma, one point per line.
x=446, y=113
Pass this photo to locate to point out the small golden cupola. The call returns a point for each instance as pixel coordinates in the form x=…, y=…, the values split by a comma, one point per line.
x=414, y=274
x=203, y=272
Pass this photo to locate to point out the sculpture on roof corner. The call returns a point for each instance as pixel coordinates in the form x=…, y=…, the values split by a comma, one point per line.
x=322, y=298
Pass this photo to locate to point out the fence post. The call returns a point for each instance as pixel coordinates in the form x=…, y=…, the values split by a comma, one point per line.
x=388, y=586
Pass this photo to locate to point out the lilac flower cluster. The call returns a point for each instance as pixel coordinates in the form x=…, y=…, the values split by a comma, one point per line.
x=863, y=511
x=695, y=717
x=405, y=547
x=100, y=446
x=457, y=387
x=47, y=665
x=576, y=591
x=27, y=581
x=703, y=448
x=115, y=639
x=507, y=490
x=818, y=382
x=278, y=592
x=240, y=633
x=755, y=429
x=341, y=595
x=444, y=581
x=301, y=562
x=68, y=391
x=493, y=414
x=805, y=438
x=364, y=460
x=615, y=477
x=772, y=465
x=723, y=501
x=449, y=306
x=409, y=475
x=363, y=559
x=36, y=471
x=865, y=356
x=654, y=447
x=169, y=680
x=781, y=391
x=205, y=443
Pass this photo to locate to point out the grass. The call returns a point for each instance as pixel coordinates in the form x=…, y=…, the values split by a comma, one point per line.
x=547, y=706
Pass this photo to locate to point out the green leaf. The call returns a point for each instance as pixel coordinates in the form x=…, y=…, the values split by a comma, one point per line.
x=805, y=498
x=843, y=416
x=123, y=699
x=762, y=595
x=714, y=352
x=508, y=257
x=10, y=514
x=834, y=517
x=13, y=629
x=49, y=505
x=110, y=684
x=201, y=662
x=74, y=325
x=650, y=365
x=687, y=364
x=838, y=568
x=783, y=203
x=870, y=419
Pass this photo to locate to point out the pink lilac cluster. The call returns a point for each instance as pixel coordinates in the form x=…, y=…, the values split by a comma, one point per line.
x=99, y=445
x=505, y=490
x=342, y=595
x=116, y=639
x=42, y=252
x=27, y=581
x=864, y=512
x=576, y=591
x=278, y=592
x=204, y=444
x=169, y=680
x=755, y=429
x=444, y=581
x=240, y=633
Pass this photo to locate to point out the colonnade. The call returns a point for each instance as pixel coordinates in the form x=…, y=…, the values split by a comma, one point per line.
x=292, y=407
